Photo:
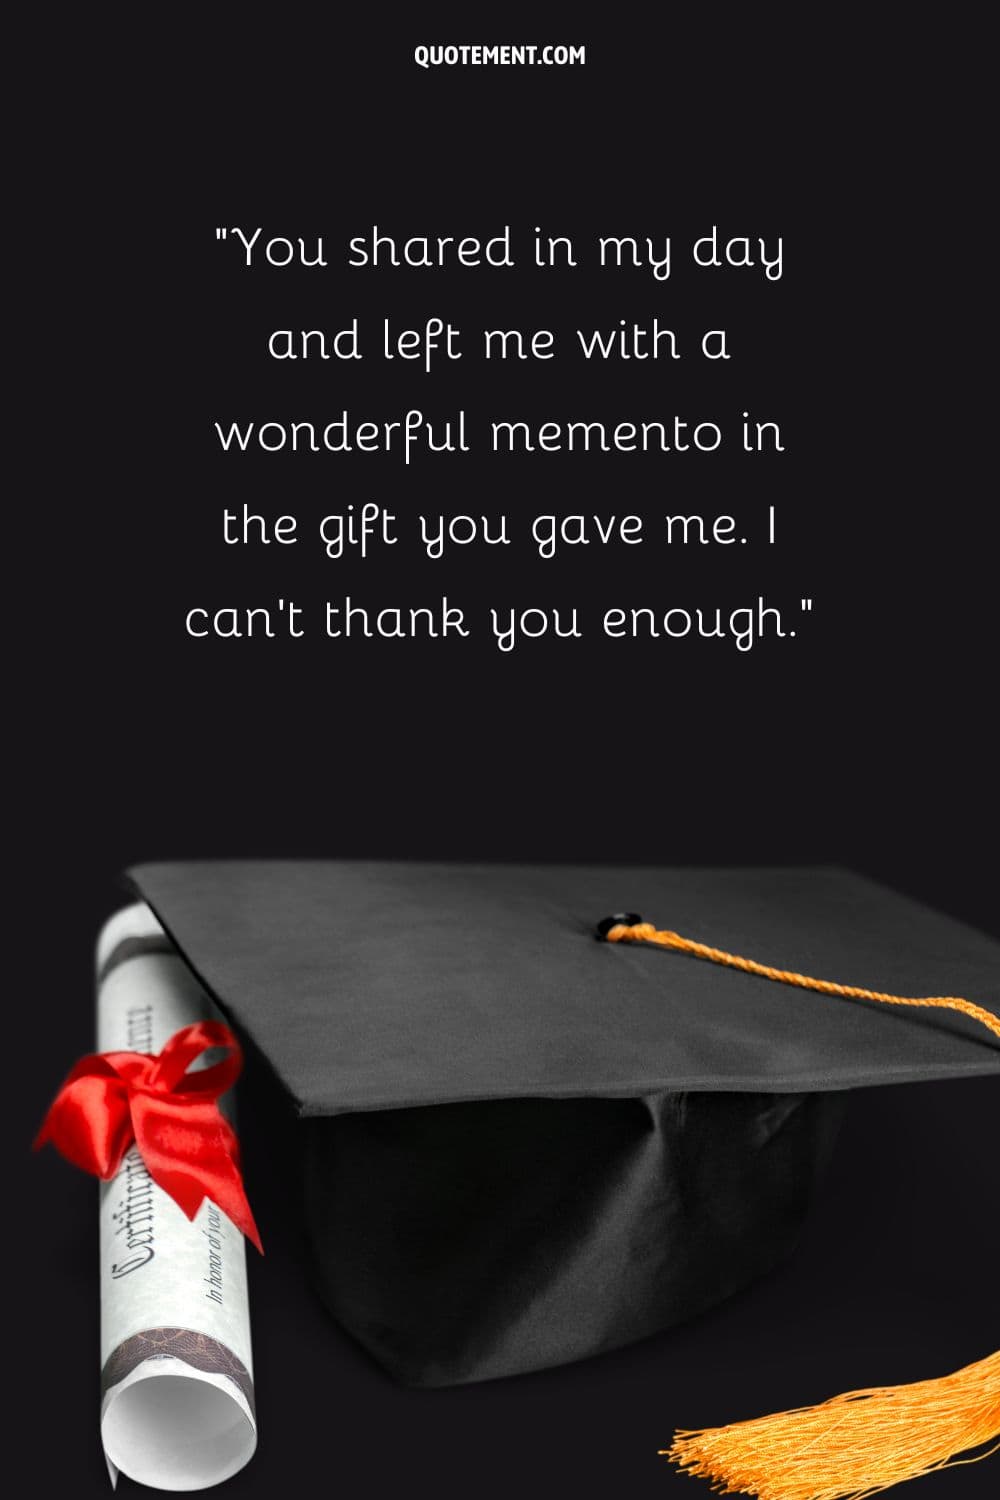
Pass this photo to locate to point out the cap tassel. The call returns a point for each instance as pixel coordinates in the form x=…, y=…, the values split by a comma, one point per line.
x=854, y=1445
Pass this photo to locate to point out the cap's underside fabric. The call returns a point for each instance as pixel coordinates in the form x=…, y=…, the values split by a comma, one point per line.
x=463, y=1242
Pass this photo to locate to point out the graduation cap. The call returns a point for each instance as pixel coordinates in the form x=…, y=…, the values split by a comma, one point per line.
x=523, y=1146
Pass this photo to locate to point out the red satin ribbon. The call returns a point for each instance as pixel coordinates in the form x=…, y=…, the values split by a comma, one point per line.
x=189, y=1148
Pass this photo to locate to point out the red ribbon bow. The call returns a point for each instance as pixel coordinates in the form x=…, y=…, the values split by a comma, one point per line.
x=189, y=1148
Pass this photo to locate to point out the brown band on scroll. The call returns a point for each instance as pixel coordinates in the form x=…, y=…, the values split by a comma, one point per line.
x=195, y=1349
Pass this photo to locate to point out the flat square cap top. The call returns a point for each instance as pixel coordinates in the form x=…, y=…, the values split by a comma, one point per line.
x=381, y=985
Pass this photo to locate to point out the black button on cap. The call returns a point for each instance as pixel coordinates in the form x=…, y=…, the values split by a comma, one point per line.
x=620, y=919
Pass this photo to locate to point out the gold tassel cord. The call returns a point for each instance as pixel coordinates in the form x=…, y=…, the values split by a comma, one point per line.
x=857, y=1445
x=645, y=932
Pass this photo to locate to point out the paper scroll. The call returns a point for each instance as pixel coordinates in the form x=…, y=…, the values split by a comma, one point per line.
x=177, y=1404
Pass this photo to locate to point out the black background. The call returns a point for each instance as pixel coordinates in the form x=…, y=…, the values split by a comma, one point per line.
x=867, y=739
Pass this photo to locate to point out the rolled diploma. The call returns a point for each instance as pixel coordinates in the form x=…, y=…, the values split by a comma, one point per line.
x=177, y=1407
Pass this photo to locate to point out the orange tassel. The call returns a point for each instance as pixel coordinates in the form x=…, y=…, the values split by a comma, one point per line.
x=662, y=937
x=855, y=1445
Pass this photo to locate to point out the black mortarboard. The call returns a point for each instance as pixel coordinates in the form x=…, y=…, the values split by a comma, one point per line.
x=523, y=1146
